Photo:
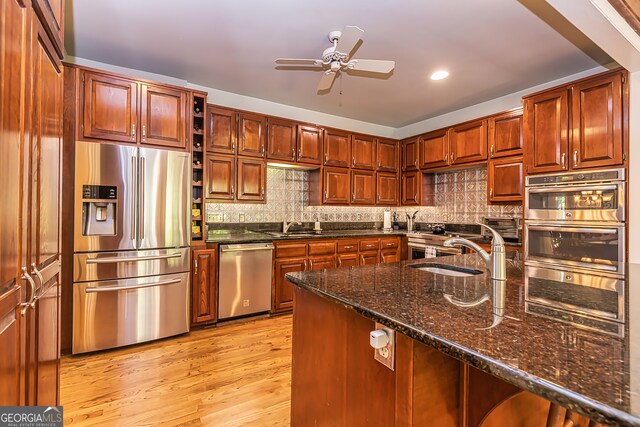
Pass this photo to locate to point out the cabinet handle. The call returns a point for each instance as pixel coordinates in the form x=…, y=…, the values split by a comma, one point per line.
x=326, y=157
x=32, y=301
x=262, y=149
x=339, y=262
x=299, y=152
x=389, y=244
x=232, y=190
x=491, y=193
x=144, y=132
x=326, y=194
x=453, y=157
x=563, y=160
x=491, y=150
x=353, y=195
x=133, y=131
x=293, y=152
x=379, y=164
x=575, y=158
x=233, y=146
x=353, y=161
x=195, y=266
x=262, y=192
x=415, y=163
x=446, y=157
x=310, y=264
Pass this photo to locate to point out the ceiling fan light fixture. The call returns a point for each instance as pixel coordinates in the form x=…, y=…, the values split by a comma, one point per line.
x=439, y=75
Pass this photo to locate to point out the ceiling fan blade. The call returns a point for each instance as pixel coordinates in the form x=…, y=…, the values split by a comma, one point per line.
x=371, y=65
x=326, y=81
x=349, y=38
x=295, y=61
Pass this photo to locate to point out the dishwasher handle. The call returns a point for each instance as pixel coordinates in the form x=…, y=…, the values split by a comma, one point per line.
x=247, y=247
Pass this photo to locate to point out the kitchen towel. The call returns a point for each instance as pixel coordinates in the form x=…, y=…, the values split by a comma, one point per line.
x=430, y=252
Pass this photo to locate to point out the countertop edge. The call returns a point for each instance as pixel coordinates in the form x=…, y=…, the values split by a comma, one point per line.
x=566, y=398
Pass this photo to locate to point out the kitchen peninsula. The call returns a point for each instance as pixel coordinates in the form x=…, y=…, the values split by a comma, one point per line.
x=468, y=350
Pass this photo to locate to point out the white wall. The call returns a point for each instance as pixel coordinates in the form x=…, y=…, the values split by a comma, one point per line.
x=634, y=168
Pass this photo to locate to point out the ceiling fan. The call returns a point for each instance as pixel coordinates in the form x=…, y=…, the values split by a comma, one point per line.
x=337, y=58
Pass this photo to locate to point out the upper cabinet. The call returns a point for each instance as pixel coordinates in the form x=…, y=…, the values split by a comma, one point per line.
x=505, y=134
x=109, y=107
x=337, y=148
x=51, y=14
x=251, y=134
x=281, y=139
x=434, y=149
x=222, y=130
x=468, y=142
x=309, y=144
x=363, y=152
x=119, y=109
x=505, y=180
x=387, y=155
x=163, y=116
x=409, y=154
x=576, y=126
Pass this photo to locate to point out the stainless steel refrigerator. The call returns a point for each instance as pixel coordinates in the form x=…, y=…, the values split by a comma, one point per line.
x=131, y=245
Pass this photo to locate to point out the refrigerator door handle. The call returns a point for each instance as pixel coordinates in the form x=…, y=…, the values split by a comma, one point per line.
x=141, y=208
x=134, y=176
x=113, y=260
x=126, y=288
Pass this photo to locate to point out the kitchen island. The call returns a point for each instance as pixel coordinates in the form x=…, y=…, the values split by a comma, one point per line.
x=468, y=350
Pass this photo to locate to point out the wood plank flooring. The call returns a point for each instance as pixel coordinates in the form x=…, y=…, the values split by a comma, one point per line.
x=232, y=375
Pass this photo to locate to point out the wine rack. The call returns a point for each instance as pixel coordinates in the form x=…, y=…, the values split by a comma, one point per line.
x=198, y=225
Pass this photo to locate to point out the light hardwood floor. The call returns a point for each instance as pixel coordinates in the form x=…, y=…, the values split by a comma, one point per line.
x=232, y=375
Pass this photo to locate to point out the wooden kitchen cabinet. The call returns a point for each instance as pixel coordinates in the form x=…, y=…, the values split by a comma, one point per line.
x=281, y=139
x=251, y=134
x=387, y=189
x=51, y=14
x=322, y=262
x=336, y=185
x=363, y=187
x=434, y=149
x=363, y=152
x=221, y=177
x=366, y=258
x=252, y=180
x=409, y=154
x=309, y=144
x=390, y=255
x=410, y=191
x=546, y=131
x=468, y=142
x=282, y=288
x=506, y=180
x=337, y=148
x=369, y=244
x=596, y=122
x=389, y=249
x=347, y=260
x=222, y=130
x=109, y=107
x=505, y=134
x=204, y=286
x=163, y=116
x=10, y=394
x=387, y=155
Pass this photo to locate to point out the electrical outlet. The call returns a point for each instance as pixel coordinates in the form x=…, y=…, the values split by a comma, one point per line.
x=215, y=217
x=246, y=303
x=359, y=217
x=386, y=355
x=241, y=217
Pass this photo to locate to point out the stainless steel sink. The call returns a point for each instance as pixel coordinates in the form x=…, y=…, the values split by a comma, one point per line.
x=294, y=234
x=446, y=270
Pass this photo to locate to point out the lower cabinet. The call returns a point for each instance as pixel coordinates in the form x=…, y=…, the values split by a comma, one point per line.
x=366, y=258
x=283, y=289
x=204, y=286
x=320, y=263
x=10, y=344
x=347, y=260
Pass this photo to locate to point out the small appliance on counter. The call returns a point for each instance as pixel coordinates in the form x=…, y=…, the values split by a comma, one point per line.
x=396, y=224
x=509, y=228
x=387, y=220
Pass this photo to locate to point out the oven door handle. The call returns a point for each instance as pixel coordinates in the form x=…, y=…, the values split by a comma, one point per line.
x=536, y=227
x=570, y=188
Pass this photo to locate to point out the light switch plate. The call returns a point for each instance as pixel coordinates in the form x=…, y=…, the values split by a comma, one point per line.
x=387, y=355
x=241, y=217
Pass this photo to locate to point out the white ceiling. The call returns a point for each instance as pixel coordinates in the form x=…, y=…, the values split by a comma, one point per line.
x=490, y=47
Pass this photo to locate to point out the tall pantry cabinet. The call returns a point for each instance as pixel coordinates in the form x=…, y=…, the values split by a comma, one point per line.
x=31, y=96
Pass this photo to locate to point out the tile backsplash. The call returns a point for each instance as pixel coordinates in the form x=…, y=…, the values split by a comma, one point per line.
x=460, y=197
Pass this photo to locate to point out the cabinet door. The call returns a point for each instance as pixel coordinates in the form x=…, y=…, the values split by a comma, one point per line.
x=336, y=186
x=309, y=144
x=251, y=134
x=222, y=130
x=390, y=255
x=281, y=140
x=320, y=263
x=221, y=177
x=363, y=187
x=506, y=180
x=505, y=134
x=387, y=155
x=283, y=289
x=163, y=116
x=252, y=180
x=596, y=114
x=410, y=154
x=387, y=189
x=51, y=14
x=468, y=142
x=337, y=148
x=363, y=152
x=347, y=260
x=546, y=123
x=434, y=149
x=10, y=394
x=204, y=286
x=366, y=258
x=410, y=191
x=109, y=107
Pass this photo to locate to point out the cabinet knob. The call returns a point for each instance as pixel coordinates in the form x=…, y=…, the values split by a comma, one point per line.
x=133, y=131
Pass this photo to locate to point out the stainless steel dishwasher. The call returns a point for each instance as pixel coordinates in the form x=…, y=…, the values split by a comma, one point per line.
x=245, y=279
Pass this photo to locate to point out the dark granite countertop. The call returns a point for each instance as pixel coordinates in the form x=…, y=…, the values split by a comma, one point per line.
x=580, y=368
x=240, y=236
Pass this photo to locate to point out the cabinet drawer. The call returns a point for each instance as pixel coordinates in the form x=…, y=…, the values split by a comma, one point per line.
x=347, y=246
x=389, y=243
x=369, y=244
x=322, y=248
x=289, y=250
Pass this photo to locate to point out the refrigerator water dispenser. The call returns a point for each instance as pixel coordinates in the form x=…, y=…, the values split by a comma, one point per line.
x=99, y=210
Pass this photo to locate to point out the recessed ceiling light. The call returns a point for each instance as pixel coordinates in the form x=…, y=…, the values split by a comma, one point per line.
x=439, y=75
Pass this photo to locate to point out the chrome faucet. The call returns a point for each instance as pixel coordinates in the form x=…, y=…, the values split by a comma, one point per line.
x=498, y=306
x=286, y=226
x=496, y=261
